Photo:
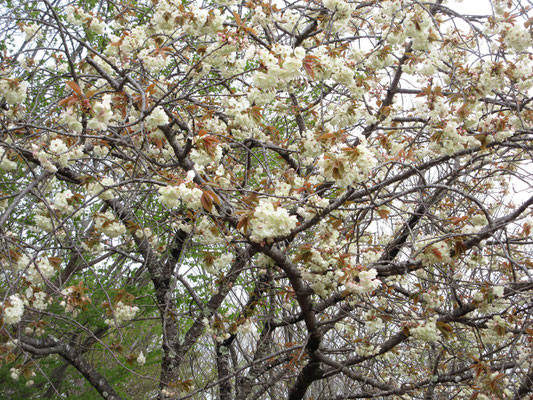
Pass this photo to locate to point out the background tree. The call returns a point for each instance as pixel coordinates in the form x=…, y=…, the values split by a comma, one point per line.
x=265, y=200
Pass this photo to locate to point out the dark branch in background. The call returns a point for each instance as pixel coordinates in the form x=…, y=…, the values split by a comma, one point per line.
x=49, y=346
x=308, y=31
x=312, y=370
x=526, y=387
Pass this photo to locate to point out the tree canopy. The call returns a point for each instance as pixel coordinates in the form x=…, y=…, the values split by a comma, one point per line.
x=309, y=199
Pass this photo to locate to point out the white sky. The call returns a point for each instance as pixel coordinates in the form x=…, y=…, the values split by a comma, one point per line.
x=471, y=7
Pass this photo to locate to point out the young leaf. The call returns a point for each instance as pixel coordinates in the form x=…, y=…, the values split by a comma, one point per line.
x=75, y=88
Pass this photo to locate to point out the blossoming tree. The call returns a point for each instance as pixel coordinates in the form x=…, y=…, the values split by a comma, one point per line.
x=321, y=199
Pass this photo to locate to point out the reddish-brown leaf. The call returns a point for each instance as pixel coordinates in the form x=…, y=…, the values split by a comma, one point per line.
x=213, y=196
x=55, y=262
x=458, y=220
x=309, y=64
x=445, y=328
x=436, y=253
x=383, y=213
x=67, y=101
x=244, y=223
x=75, y=88
x=207, y=202
x=255, y=113
x=237, y=19
x=90, y=93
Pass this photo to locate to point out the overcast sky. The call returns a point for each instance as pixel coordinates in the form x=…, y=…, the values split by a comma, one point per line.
x=471, y=7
